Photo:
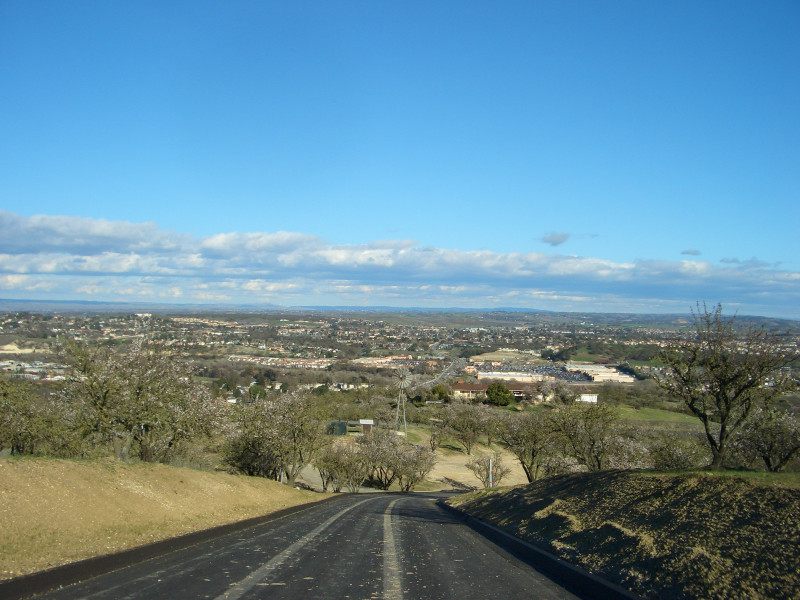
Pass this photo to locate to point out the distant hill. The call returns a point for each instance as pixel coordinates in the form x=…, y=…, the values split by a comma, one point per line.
x=463, y=316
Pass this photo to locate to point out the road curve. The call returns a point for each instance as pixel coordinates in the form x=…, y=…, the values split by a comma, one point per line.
x=390, y=546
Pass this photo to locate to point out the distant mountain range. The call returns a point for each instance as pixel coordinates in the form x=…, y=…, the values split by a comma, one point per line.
x=498, y=315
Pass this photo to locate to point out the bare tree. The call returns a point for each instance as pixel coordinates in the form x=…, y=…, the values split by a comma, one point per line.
x=724, y=373
x=772, y=436
x=488, y=468
x=342, y=465
x=529, y=437
x=587, y=432
x=413, y=465
x=464, y=422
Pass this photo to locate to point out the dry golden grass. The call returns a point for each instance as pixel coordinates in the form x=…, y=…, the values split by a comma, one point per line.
x=56, y=511
x=662, y=536
x=451, y=468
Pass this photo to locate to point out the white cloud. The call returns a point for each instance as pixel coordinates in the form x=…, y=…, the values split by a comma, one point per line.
x=209, y=297
x=260, y=285
x=117, y=260
x=91, y=290
x=38, y=233
x=11, y=282
x=173, y=292
x=25, y=282
x=255, y=245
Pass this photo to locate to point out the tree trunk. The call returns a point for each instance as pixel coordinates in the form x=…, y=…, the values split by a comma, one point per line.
x=122, y=445
x=528, y=472
x=718, y=458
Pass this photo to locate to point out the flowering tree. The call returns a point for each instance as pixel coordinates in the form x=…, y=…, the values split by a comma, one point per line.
x=528, y=436
x=587, y=433
x=488, y=468
x=413, y=465
x=141, y=401
x=342, y=465
x=380, y=448
x=392, y=458
x=275, y=437
x=32, y=422
x=772, y=436
x=464, y=422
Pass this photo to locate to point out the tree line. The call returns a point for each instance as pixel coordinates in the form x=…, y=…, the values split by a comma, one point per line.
x=143, y=403
x=729, y=377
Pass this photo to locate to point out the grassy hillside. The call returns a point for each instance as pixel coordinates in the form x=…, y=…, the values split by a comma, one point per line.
x=662, y=536
x=56, y=511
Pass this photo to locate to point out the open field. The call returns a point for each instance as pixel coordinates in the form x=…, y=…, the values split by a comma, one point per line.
x=14, y=349
x=657, y=415
x=451, y=472
x=692, y=535
x=57, y=511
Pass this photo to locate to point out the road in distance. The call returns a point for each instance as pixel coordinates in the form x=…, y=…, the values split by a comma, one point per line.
x=362, y=546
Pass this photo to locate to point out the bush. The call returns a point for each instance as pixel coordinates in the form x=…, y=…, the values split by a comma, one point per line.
x=33, y=421
x=770, y=436
x=342, y=465
x=671, y=452
x=393, y=458
x=498, y=394
x=275, y=437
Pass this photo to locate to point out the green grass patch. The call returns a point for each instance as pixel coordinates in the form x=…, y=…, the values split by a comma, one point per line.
x=416, y=437
x=645, y=363
x=629, y=413
x=583, y=356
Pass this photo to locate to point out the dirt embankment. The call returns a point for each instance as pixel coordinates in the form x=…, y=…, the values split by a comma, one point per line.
x=56, y=511
x=661, y=536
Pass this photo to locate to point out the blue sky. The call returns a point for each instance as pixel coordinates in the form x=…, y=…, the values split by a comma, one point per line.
x=578, y=156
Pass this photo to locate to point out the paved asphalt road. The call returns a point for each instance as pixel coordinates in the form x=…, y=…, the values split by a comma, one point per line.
x=361, y=546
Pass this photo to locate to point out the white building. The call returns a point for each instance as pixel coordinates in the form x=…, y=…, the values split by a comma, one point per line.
x=600, y=373
x=513, y=376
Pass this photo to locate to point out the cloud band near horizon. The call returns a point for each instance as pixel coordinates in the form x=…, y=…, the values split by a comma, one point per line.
x=73, y=258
